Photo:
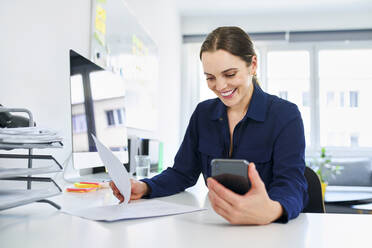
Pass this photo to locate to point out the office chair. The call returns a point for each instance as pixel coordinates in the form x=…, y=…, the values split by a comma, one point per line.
x=315, y=203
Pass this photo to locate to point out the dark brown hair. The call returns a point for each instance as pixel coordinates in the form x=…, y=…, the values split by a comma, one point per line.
x=233, y=40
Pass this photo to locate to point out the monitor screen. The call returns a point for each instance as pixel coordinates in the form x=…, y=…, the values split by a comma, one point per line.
x=97, y=107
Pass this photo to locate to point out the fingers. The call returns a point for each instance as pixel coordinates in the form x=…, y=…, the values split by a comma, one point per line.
x=222, y=212
x=218, y=202
x=120, y=197
x=254, y=177
x=137, y=190
x=221, y=207
x=224, y=193
x=116, y=192
x=113, y=186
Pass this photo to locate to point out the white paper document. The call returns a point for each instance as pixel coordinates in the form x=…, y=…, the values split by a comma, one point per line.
x=115, y=168
x=135, y=210
x=125, y=211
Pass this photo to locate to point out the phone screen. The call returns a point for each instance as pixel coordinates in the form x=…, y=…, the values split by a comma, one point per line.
x=232, y=173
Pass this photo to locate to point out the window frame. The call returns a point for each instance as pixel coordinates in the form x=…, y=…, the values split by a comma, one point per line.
x=265, y=48
x=314, y=48
x=78, y=117
x=115, y=115
x=345, y=45
x=108, y=118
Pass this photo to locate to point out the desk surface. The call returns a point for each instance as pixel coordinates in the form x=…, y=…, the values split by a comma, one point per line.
x=40, y=225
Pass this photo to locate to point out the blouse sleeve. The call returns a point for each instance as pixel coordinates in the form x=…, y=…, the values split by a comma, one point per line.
x=289, y=186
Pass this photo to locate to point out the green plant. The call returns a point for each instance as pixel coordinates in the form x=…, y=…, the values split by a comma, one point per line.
x=323, y=167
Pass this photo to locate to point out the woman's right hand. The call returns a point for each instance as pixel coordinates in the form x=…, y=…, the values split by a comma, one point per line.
x=138, y=189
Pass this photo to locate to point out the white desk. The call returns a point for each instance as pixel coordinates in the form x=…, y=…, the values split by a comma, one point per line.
x=40, y=225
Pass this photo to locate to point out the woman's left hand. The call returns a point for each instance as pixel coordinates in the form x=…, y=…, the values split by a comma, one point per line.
x=255, y=207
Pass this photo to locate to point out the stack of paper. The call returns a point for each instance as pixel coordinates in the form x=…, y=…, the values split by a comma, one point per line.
x=28, y=135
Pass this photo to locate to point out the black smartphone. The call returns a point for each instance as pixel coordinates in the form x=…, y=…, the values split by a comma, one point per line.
x=232, y=173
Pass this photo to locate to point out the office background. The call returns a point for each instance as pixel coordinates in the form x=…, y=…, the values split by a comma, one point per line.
x=36, y=36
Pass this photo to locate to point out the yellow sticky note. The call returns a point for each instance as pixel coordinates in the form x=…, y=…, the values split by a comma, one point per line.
x=101, y=13
x=100, y=26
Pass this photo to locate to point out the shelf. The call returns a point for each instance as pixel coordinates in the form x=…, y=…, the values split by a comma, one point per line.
x=13, y=194
x=10, y=146
x=15, y=188
x=12, y=165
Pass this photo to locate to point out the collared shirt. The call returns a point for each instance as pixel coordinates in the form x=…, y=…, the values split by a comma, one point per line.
x=271, y=135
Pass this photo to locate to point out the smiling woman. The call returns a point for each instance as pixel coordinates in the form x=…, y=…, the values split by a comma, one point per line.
x=243, y=122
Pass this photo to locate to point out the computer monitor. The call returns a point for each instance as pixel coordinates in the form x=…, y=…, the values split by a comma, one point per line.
x=97, y=107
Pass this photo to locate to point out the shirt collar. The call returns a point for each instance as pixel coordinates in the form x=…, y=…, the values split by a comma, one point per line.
x=256, y=110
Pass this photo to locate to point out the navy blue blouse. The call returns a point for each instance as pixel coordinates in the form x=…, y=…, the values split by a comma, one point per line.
x=271, y=135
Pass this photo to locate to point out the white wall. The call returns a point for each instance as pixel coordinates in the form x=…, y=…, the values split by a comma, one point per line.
x=34, y=48
x=160, y=18
x=35, y=40
x=280, y=21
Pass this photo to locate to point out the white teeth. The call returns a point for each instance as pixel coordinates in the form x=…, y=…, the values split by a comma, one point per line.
x=227, y=93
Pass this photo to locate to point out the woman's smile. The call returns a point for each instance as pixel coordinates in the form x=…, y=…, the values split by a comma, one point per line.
x=228, y=94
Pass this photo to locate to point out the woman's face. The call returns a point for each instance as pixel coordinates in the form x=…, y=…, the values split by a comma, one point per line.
x=228, y=76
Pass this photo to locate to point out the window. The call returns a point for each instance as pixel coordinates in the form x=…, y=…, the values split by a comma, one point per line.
x=305, y=99
x=283, y=95
x=119, y=114
x=348, y=73
x=79, y=123
x=353, y=99
x=288, y=77
x=354, y=139
x=110, y=118
x=330, y=98
x=342, y=99
x=115, y=117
